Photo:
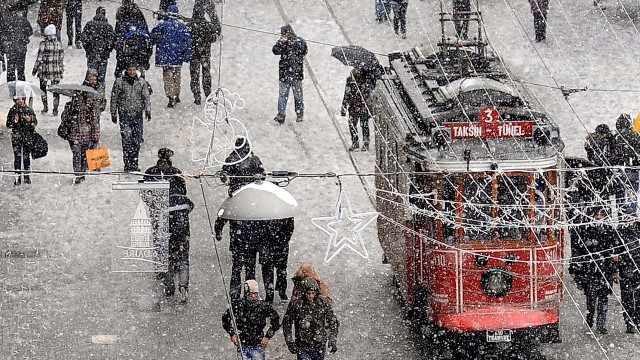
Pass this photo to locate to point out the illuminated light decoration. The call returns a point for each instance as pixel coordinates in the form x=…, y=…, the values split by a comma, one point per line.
x=334, y=227
x=214, y=137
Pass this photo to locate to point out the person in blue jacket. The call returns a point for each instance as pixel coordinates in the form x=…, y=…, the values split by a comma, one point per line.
x=173, y=47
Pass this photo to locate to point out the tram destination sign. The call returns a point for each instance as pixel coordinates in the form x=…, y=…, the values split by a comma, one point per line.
x=489, y=126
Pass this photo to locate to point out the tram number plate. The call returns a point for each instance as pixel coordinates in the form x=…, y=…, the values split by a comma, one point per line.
x=498, y=335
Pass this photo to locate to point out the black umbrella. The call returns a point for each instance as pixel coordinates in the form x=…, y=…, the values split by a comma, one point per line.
x=356, y=56
x=71, y=89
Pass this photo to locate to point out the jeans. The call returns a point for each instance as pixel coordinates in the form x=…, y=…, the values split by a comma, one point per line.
x=194, y=70
x=283, y=97
x=74, y=14
x=79, y=151
x=399, y=17
x=21, y=154
x=131, y=133
x=382, y=8
x=100, y=65
x=540, y=25
x=361, y=117
x=311, y=353
x=599, y=296
x=253, y=353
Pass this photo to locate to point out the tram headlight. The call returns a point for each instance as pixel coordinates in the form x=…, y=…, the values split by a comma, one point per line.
x=496, y=281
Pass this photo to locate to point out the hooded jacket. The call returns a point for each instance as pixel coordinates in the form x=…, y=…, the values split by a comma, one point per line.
x=135, y=48
x=250, y=166
x=203, y=34
x=98, y=38
x=626, y=143
x=129, y=15
x=292, y=52
x=314, y=320
x=130, y=96
x=251, y=318
x=173, y=41
x=307, y=270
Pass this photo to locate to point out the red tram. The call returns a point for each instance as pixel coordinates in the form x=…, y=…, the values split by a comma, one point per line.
x=468, y=215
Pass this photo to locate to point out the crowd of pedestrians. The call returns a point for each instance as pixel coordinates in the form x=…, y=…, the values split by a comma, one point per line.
x=605, y=248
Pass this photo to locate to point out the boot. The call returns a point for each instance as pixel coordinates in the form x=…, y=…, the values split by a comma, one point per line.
x=27, y=179
x=197, y=100
x=182, y=296
x=354, y=147
x=279, y=119
x=56, y=103
x=177, y=99
x=171, y=103
x=45, y=104
x=17, y=181
x=365, y=147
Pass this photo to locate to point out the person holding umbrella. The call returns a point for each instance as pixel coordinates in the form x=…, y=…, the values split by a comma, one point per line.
x=292, y=50
x=84, y=131
x=22, y=122
x=49, y=66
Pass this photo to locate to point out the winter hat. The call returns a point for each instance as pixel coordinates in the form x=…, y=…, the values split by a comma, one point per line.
x=173, y=9
x=50, y=30
x=165, y=153
x=602, y=129
x=309, y=284
x=251, y=286
x=241, y=141
x=101, y=11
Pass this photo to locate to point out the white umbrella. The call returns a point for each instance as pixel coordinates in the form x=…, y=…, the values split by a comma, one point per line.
x=23, y=89
x=260, y=200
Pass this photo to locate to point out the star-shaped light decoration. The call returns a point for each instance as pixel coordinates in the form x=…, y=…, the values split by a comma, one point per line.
x=344, y=229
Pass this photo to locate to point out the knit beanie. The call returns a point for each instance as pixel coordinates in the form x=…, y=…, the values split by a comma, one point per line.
x=50, y=30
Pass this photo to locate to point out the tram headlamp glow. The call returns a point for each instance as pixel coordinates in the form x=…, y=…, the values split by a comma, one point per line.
x=496, y=281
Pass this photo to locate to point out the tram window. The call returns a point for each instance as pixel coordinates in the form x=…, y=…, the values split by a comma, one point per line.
x=513, y=202
x=487, y=97
x=477, y=208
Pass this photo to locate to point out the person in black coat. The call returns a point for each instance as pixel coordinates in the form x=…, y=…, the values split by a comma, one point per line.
x=128, y=15
x=203, y=34
x=244, y=241
x=626, y=146
x=179, y=208
x=243, y=166
x=629, y=268
x=209, y=8
x=599, y=267
x=99, y=40
x=251, y=316
x=164, y=170
x=357, y=90
x=22, y=122
x=15, y=31
x=292, y=49
x=274, y=254
x=73, y=10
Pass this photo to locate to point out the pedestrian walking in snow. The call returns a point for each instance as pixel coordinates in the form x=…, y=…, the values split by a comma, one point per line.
x=539, y=10
x=14, y=37
x=128, y=15
x=598, y=240
x=304, y=271
x=292, y=49
x=250, y=317
x=173, y=47
x=242, y=166
x=629, y=269
x=74, y=17
x=461, y=10
x=274, y=257
x=84, y=131
x=316, y=327
x=99, y=101
x=383, y=10
x=22, y=122
x=203, y=34
x=49, y=66
x=129, y=102
x=99, y=40
x=356, y=93
x=165, y=171
x=244, y=242
x=134, y=47
x=51, y=12
x=599, y=146
x=626, y=148
x=400, y=17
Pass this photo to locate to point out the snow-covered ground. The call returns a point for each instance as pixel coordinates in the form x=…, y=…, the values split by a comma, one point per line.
x=62, y=291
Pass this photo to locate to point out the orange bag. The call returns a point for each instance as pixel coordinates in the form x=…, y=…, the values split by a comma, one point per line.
x=98, y=158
